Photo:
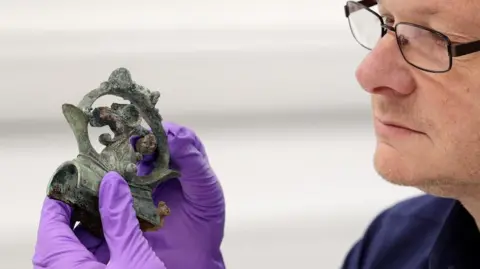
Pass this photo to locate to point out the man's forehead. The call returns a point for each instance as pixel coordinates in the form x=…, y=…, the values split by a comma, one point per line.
x=424, y=6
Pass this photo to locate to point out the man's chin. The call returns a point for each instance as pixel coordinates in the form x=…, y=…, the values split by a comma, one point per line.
x=400, y=168
x=394, y=167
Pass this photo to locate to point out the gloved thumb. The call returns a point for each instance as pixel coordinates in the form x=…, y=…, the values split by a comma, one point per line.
x=121, y=228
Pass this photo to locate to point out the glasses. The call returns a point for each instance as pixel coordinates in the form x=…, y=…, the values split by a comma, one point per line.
x=423, y=48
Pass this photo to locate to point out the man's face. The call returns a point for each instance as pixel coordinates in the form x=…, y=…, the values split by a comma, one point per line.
x=443, y=109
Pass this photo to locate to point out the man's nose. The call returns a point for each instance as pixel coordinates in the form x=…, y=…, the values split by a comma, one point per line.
x=384, y=68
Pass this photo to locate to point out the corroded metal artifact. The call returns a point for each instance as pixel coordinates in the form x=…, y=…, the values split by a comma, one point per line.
x=77, y=182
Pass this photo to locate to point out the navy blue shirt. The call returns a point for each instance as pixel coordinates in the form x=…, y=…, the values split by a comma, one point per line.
x=424, y=232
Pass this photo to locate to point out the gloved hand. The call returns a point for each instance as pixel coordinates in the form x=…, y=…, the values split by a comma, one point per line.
x=191, y=235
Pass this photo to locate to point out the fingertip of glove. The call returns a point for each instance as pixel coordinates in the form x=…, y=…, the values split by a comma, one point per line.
x=133, y=141
x=112, y=176
x=182, y=141
x=50, y=204
x=54, y=211
x=112, y=186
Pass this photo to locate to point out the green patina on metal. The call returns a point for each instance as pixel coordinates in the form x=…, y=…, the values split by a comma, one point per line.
x=76, y=182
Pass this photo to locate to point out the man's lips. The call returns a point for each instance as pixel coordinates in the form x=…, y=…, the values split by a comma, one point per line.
x=395, y=124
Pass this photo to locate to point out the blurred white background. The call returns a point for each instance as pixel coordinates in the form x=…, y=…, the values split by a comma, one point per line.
x=268, y=85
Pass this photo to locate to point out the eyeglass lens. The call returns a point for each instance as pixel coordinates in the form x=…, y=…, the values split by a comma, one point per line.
x=420, y=47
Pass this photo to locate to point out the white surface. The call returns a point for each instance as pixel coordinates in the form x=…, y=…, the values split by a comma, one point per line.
x=296, y=198
x=205, y=71
x=142, y=14
x=204, y=56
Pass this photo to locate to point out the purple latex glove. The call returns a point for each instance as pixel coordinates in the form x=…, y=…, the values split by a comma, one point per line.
x=190, y=238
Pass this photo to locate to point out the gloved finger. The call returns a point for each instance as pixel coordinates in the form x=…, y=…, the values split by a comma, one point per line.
x=121, y=228
x=199, y=182
x=56, y=242
x=54, y=211
x=188, y=155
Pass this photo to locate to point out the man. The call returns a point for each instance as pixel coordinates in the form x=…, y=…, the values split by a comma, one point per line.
x=423, y=75
x=190, y=239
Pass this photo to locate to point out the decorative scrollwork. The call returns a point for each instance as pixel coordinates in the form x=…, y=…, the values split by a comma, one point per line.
x=76, y=182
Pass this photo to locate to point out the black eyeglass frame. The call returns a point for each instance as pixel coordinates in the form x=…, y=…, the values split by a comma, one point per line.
x=453, y=50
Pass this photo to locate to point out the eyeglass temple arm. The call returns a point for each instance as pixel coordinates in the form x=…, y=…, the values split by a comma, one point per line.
x=464, y=49
x=366, y=3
